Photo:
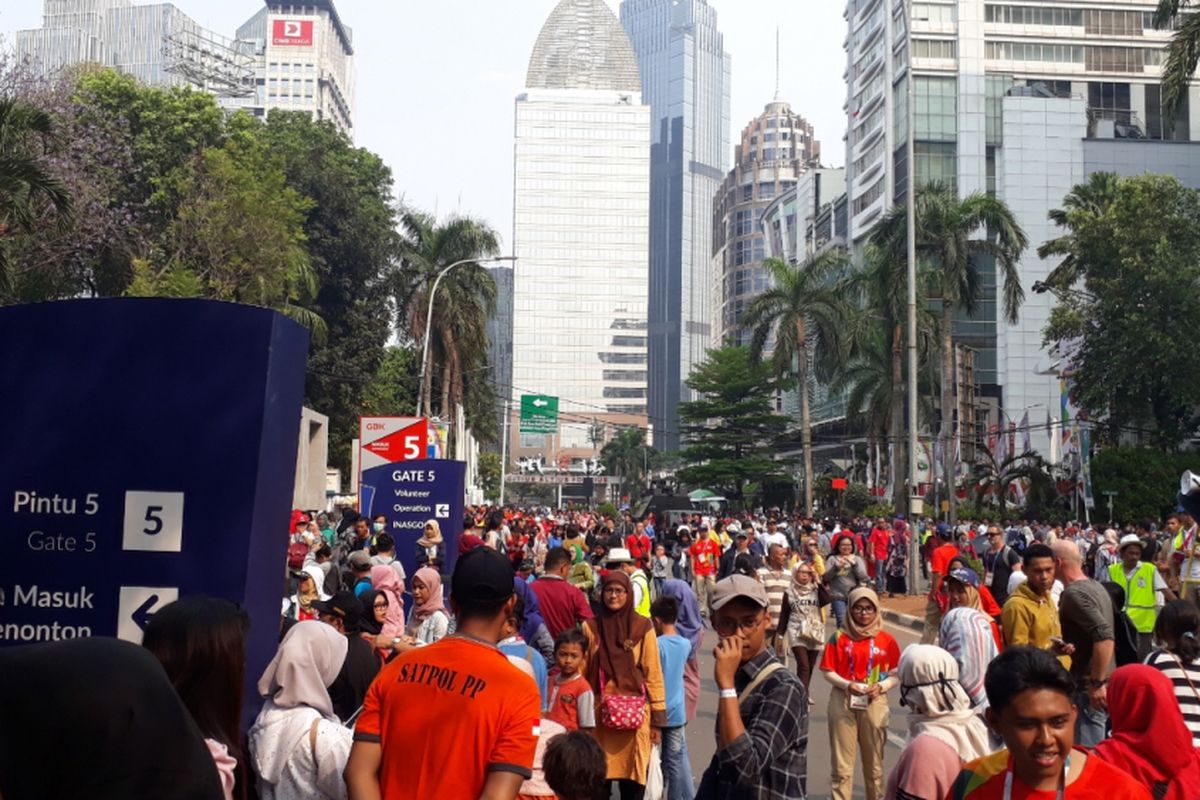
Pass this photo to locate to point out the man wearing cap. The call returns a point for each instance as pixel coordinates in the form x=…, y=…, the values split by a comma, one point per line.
x=762, y=713
x=1141, y=583
x=459, y=695
x=349, y=688
x=360, y=567
x=622, y=559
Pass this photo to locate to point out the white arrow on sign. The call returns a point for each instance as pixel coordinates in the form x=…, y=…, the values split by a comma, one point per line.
x=539, y=402
x=442, y=510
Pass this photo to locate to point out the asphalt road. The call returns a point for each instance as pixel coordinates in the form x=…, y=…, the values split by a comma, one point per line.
x=702, y=741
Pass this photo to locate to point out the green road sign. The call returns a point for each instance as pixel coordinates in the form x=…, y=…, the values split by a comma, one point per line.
x=539, y=413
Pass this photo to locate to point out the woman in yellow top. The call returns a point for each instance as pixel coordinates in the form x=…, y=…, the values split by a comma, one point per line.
x=622, y=645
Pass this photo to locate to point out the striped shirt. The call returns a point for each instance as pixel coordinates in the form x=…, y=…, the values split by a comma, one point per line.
x=1189, y=697
x=776, y=584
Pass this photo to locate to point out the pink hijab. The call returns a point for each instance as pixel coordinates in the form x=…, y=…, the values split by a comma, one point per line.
x=432, y=580
x=385, y=579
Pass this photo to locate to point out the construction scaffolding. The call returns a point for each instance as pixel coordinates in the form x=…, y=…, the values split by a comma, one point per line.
x=214, y=63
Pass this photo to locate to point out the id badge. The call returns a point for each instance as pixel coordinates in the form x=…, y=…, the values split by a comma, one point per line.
x=859, y=702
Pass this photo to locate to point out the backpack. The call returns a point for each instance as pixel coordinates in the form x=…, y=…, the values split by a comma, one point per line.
x=296, y=553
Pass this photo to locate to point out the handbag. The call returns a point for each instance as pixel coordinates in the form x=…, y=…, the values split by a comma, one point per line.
x=621, y=712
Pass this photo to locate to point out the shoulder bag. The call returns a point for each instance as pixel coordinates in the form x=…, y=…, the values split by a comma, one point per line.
x=621, y=712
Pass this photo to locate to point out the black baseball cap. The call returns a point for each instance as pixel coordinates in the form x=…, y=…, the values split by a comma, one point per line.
x=343, y=605
x=482, y=577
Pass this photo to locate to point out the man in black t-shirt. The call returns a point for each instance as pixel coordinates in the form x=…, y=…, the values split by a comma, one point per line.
x=999, y=563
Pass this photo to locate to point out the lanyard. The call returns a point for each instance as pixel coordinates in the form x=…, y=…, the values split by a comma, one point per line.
x=870, y=659
x=1062, y=780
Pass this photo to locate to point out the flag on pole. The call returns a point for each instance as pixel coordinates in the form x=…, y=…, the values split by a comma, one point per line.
x=1026, y=445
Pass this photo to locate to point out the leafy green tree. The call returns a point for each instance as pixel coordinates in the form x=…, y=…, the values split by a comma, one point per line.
x=488, y=476
x=466, y=297
x=1137, y=260
x=956, y=238
x=730, y=432
x=29, y=192
x=804, y=312
x=353, y=245
x=999, y=475
x=629, y=456
x=1146, y=481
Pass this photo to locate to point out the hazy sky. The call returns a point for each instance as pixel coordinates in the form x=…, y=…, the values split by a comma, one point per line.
x=437, y=80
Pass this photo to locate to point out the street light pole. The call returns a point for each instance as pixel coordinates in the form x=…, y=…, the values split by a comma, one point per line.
x=915, y=503
x=429, y=319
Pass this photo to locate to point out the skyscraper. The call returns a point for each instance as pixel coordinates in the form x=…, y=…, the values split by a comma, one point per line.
x=686, y=82
x=776, y=149
x=581, y=226
x=294, y=57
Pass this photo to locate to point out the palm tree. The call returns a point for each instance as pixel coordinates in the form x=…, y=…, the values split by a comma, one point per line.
x=466, y=297
x=947, y=231
x=1182, y=54
x=28, y=192
x=1092, y=199
x=805, y=312
x=998, y=474
x=628, y=456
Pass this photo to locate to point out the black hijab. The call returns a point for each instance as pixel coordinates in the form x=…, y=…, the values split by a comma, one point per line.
x=97, y=718
x=367, y=623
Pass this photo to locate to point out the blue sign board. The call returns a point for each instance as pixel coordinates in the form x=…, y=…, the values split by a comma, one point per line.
x=151, y=454
x=409, y=494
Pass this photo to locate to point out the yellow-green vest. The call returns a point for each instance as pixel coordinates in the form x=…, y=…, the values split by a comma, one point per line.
x=643, y=606
x=1140, y=599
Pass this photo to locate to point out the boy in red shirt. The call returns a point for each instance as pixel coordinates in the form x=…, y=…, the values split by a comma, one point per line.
x=572, y=702
x=706, y=553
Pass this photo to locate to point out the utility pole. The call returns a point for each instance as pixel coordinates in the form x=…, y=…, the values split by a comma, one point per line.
x=504, y=449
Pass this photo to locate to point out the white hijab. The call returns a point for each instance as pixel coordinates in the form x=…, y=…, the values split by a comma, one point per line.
x=307, y=661
x=938, y=705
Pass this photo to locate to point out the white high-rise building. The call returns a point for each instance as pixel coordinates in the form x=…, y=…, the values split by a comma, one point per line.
x=294, y=57
x=305, y=62
x=581, y=225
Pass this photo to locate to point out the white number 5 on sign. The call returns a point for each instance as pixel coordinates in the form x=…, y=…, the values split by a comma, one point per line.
x=153, y=522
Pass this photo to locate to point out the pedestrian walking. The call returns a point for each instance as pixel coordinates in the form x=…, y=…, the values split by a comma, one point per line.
x=1150, y=741
x=1178, y=657
x=845, y=570
x=944, y=731
x=859, y=661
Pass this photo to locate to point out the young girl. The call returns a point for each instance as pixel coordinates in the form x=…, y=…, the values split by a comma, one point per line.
x=801, y=617
x=572, y=704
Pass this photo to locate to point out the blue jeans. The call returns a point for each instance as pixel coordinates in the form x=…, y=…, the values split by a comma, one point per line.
x=880, y=577
x=677, y=770
x=1090, y=725
x=839, y=610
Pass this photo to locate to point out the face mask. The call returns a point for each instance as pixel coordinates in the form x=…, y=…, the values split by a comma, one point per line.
x=378, y=527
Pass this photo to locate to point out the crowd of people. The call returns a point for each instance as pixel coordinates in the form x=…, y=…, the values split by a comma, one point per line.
x=560, y=658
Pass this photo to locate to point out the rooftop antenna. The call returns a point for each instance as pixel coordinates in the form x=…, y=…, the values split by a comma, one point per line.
x=776, y=63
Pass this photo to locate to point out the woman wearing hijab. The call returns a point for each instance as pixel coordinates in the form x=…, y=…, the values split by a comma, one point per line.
x=970, y=636
x=690, y=626
x=1106, y=555
x=298, y=746
x=859, y=661
x=844, y=570
x=1150, y=740
x=97, y=719
x=533, y=628
x=384, y=579
x=431, y=548
x=308, y=591
x=370, y=624
x=429, y=621
x=943, y=731
x=801, y=617
x=623, y=660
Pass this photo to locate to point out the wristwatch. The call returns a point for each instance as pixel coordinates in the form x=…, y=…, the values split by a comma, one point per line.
x=396, y=640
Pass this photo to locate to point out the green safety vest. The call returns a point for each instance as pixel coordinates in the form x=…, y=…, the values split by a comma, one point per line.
x=643, y=606
x=1140, y=599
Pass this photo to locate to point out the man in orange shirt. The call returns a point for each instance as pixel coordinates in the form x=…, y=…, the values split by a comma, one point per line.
x=939, y=568
x=458, y=696
x=705, y=554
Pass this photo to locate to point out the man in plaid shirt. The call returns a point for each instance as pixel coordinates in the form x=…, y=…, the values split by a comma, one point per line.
x=762, y=716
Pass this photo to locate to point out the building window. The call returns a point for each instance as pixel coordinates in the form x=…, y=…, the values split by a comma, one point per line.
x=1034, y=15
x=936, y=109
x=620, y=392
x=1156, y=126
x=1035, y=51
x=1109, y=96
x=1115, y=59
x=1103, y=22
x=937, y=162
x=944, y=49
x=996, y=86
x=936, y=14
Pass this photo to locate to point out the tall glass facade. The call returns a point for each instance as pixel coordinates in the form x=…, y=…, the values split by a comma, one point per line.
x=685, y=76
x=581, y=227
